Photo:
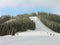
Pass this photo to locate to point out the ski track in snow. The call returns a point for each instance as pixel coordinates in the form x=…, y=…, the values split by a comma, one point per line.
x=42, y=28
x=39, y=25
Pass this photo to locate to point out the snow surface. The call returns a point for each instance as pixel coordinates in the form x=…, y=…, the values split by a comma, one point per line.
x=41, y=27
x=30, y=40
x=41, y=36
x=10, y=20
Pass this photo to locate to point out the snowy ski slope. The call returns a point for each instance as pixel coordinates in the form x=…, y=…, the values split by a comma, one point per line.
x=41, y=36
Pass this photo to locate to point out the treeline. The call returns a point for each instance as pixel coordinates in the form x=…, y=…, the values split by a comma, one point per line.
x=4, y=18
x=50, y=20
x=11, y=25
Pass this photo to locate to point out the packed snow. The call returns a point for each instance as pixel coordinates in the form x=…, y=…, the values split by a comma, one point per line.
x=30, y=40
x=41, y=27
x=41, y=36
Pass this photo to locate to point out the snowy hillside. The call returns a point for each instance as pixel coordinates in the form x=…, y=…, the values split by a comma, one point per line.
x=39, y=25
x=41, y=36
x=41, y=29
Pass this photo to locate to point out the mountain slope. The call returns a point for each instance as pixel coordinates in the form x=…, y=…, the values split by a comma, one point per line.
x=41, y=36
x=40, y=30
x=39, y=25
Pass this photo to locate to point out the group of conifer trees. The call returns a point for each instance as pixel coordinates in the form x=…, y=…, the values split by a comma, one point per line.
x=20, y=24
x=9, y=25
x=50, y=20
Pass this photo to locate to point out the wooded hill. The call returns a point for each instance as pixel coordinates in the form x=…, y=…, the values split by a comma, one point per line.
x=9, y=25
x=50, y=20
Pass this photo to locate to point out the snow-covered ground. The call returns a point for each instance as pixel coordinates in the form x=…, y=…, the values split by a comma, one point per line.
x=30, y=40
x=41, y=36
x=41, y=27
x=10, y=20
